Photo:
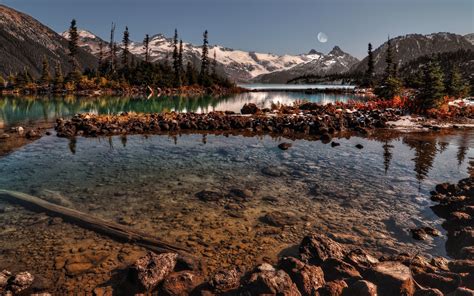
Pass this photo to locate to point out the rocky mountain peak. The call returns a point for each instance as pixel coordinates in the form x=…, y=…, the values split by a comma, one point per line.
x=337, y=51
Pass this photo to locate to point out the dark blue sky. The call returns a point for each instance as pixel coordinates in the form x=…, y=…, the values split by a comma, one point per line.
x=278, y=26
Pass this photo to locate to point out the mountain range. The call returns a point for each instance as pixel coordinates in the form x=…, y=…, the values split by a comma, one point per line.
x=24, y=42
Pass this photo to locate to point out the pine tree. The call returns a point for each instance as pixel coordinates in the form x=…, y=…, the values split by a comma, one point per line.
x=370, y=67
x=432, y=90
x=203, y=76
x=146, y=46
x=45, y=74
x=456, y=87
x=112, y=48
x=75, y=74
x=180, y=59
x=125, y=52
x=391, y=85
x=190, y=74
x=176, y=70
x=100, y=61
x=58, y=77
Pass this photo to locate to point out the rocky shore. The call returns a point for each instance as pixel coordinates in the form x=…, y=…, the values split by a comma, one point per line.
x=304, y=120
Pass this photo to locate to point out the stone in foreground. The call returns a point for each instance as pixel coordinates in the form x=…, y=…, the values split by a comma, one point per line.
x=151, y=269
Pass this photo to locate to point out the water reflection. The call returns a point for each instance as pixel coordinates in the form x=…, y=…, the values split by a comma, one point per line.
x=14, y=110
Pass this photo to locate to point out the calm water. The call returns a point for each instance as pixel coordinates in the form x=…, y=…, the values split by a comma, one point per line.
x=265, y=86
x=16, y=110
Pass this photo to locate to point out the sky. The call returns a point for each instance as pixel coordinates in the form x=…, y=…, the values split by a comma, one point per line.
x=276, y=26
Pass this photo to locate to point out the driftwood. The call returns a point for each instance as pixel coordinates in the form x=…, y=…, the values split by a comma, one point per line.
x=113, y=230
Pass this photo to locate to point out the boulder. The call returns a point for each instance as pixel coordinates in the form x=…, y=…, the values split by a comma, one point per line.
x=21, y=281
x=225, y=280
x=428, y=292
x=249, y=108
x=462, y=291
x=308, y=278
x=266, y=280
x=316, y=248
x=149, y=270
x=4, y=276
x=284, y=146
x=361, y=288
x=444, y=282
x=334, y=288
x=336, y=269
x=180, y=283
x=462, y=266
x=207, y=195
x=392, y=278
x=361, y=260
x=279, y=219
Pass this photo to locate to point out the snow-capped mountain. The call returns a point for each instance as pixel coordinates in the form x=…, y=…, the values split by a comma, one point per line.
x=335, y=62
x=409, y=47
x=470, y=38
x=24, y=42
x=238, y=65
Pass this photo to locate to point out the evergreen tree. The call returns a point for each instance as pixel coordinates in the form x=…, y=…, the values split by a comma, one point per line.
x=125, y=52
x=190, y=74
x=146, y=46
x=58, y=77
x=180, y=56
x=100, y=61
x=176, y=68
x=391, y=86
x=75, y=73
x=456, y=86
x=432, y=90
x=112, y=48
x=203, y=76
x=370, y=67
x=45, y=74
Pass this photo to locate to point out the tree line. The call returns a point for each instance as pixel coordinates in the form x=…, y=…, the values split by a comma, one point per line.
x=431, y=81
x=118, y=68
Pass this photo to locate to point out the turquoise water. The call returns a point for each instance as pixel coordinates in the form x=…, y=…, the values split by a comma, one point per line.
x=16, y=110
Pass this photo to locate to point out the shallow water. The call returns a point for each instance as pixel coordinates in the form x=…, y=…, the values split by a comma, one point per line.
x=367, y=198
x=17, y=110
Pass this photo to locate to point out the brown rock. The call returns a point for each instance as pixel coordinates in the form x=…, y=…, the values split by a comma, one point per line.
x=428, y=292
x=361, y=288
x=21, y=281
x=360, y=259
x=151, y=269
x=279, y=219
x=181, y=283
x=444, y=282
x=225, y=280
x=249, y=108
x=308, y=278
x=462, y=291
x=207, y=195
x=4, y=276
x=317, y=247
x=392, y=278
x=284, y=146
x=334, y=288
x=462, y=266
x=336, y=269
x=266, y=280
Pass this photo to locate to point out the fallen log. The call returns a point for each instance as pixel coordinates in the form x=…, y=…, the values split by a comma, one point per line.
x=110, y=229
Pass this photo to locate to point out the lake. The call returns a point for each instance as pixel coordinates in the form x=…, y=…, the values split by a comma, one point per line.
x=367, y=198
x=17, y=110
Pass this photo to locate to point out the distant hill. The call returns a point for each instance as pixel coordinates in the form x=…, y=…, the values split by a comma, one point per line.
x=24, y=41
x=335, y=62
x=470, y=38
x=409, y=47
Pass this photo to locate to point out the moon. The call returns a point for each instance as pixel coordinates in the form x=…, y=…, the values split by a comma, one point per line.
x=323, y=38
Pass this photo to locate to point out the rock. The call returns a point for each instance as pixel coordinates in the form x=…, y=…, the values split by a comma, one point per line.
x=4, y=276
x=249, y=108
x=428, y=292
x=32, y=134
x=279, y=219
x=431, y=231
x=361, y=260
x=4, y=136
x=462, y=291
x=334, y=288
x=207, y=195
x=325, y=138
x=462, y=266
x=359, y=146
x=241, y=193
x=272, y=171
x=76, y=268
x=151, y=269
x=103, y=291
x=419, y=234
x=361, y=288
x=335, y=144
x=21, y=281
x=308, y=278
x=284, y=146
x=336, y=269
x=181, y=283
x=392, y=278
x=225, y=280
x=266, y=280
x=445, y=282
x=445, y=188
x=316, y=248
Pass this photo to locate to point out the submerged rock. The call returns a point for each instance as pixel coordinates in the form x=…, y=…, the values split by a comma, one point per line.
x=272, y=171
x=151, y=269
x=207, y=195
x=181, y=283
x=284, y=146
x=279, y=219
